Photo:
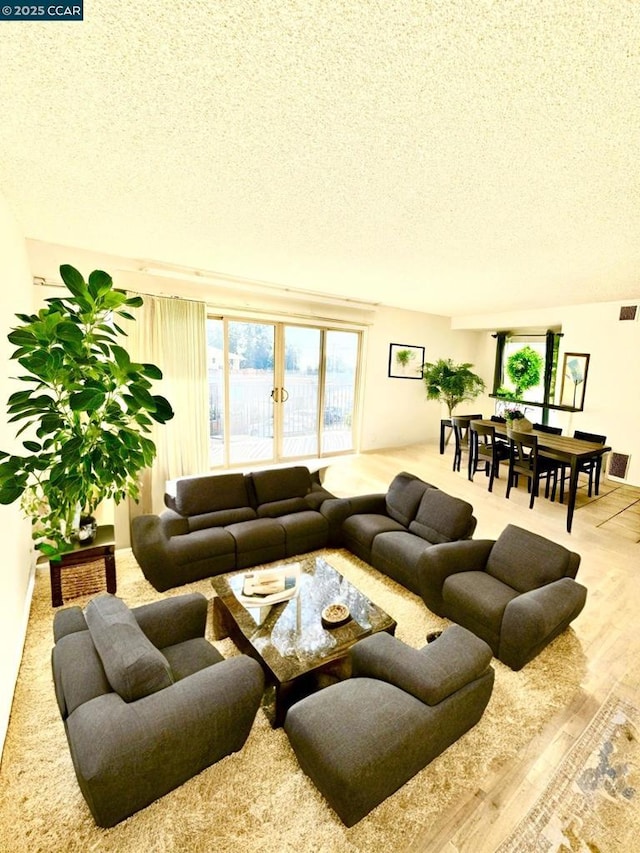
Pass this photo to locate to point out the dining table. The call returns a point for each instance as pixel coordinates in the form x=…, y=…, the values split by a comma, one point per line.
x=571, y=451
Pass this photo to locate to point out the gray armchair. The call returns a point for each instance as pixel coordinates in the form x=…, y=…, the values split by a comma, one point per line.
x=147, y=702
x=361, y=739
x=517, y=593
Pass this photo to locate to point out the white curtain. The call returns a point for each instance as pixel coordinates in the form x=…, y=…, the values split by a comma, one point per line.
x=171, y=333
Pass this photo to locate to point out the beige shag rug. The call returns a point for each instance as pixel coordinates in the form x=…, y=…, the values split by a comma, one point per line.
x=258, y=799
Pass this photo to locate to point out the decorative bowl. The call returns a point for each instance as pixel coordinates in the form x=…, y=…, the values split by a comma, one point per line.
x=335, y=615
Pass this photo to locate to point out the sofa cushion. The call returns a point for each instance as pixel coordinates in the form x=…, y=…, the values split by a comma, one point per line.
x=259, y=541
x=220, y=518
x=442, y=518
x=304, y=531
x=363, y=528
x=278, y=484
x=198, y=495
x=480, y=598
x=133, y=665
x=526, y=561
x=201, y=545
x=398, y=554
x=191, y=656
x=273, y=509
x=403, y=496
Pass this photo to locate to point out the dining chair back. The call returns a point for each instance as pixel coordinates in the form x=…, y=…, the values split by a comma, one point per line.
x=524, y=460
x=551, y=430
x=485, y=449
x=460, y=425
x=593, y=466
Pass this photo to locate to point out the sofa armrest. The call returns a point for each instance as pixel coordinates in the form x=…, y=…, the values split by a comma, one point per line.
x=160, y=741
x=533, y=616
x=335, y=511
x=430, y=674
x=68, y=621
x=437, y=563
x=173, y=620
x=148, y=538
x=173, y=524
x=373, y=503
x=150, y=535
x=317, y=496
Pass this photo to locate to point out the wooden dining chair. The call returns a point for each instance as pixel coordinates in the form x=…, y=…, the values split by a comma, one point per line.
x=591, y=467
x=461, y=435
x=525, y=461
x=485, y=449
x=498, y=419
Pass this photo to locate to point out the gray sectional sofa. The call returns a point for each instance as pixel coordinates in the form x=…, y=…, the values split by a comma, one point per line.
x=221, y=522
x=394, y=531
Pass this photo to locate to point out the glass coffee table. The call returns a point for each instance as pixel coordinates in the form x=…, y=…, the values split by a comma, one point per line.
x=298, y=654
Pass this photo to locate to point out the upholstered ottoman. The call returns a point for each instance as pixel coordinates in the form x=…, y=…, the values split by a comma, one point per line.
x=363, y=738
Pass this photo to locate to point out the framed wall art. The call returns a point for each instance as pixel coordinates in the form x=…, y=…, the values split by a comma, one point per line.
x=405, y=361
x=574, y=379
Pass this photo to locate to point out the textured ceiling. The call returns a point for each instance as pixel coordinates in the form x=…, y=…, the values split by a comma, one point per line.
x=452, y=157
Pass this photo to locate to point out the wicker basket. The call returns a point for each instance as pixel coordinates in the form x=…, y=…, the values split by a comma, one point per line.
x=83, y=579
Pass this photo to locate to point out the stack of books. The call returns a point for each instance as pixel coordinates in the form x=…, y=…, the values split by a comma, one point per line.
x=270, y=586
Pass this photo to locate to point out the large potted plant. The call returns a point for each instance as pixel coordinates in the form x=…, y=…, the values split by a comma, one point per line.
x=451, y=383
x=86, y=411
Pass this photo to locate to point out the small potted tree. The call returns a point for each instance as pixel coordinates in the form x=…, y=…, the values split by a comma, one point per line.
x=86, y=411
x=451, y=383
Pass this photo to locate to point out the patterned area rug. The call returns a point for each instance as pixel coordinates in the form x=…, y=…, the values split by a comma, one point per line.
x=593, y=801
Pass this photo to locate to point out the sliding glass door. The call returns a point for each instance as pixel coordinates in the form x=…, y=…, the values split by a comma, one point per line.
x=279, y=391
x=340, y=377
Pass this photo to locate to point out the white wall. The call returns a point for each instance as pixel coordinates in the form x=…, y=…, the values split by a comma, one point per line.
x=16, y=576
x=396, y=411
x=612, y=393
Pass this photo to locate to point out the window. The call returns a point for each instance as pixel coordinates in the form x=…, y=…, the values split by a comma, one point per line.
x=280, y=391
x=546, y=346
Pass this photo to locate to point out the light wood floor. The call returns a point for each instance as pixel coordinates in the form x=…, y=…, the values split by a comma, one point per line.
x=606, y=533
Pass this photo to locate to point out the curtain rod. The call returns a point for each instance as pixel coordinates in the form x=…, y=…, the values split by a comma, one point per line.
x=219, y=310
x=530, y=334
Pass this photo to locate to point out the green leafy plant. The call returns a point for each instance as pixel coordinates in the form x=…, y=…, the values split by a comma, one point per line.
x=524, y=369
x=451, y=383
x=87, y=411
x=404, y=356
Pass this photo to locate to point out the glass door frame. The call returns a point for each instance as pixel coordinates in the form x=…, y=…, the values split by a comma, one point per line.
x=279, y=369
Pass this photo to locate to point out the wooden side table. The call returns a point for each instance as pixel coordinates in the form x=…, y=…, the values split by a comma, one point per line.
x=104, y=545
